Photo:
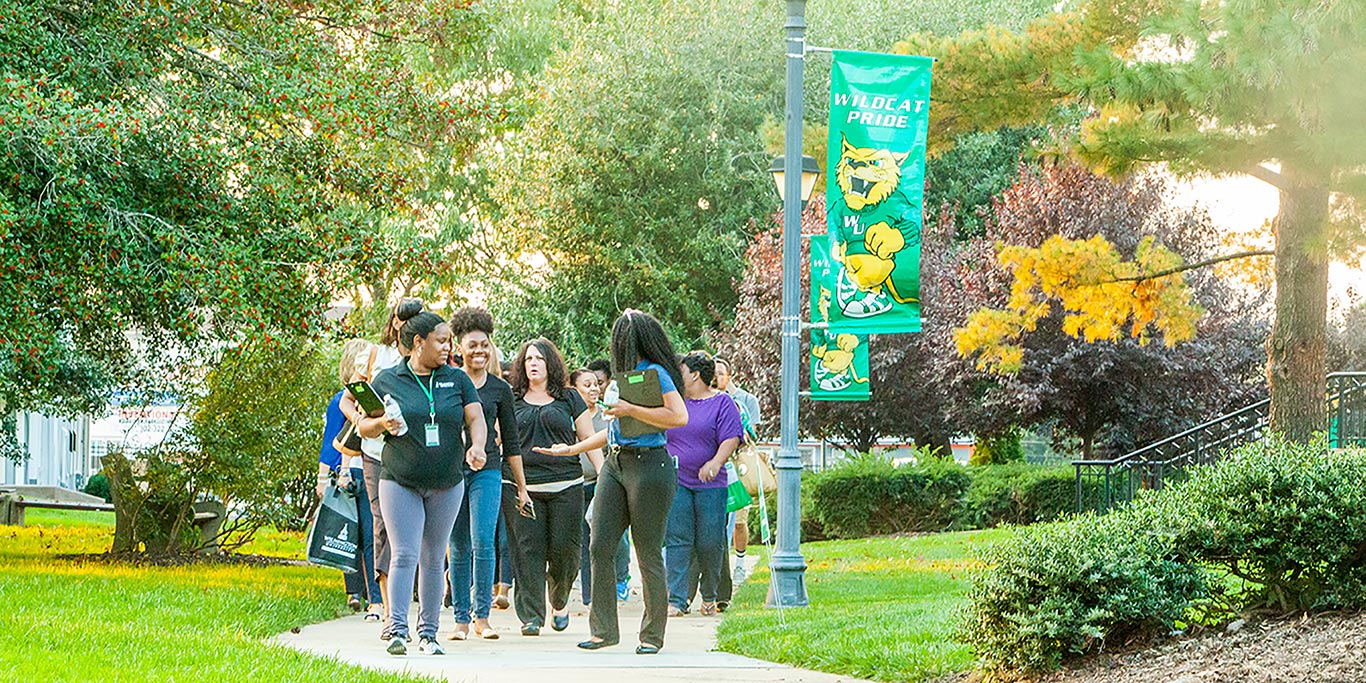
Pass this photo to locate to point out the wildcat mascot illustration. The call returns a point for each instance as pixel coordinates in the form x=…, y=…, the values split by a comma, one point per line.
x=833, y=354
x=880, y=222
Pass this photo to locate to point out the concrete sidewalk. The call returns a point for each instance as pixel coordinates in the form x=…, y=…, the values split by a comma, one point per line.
x=687, y=654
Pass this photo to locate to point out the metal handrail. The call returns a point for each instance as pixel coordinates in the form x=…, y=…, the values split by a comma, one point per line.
x=1177, y=437
x=1191, y=443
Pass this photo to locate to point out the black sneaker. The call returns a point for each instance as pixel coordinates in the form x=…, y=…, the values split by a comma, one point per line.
x=398, y=646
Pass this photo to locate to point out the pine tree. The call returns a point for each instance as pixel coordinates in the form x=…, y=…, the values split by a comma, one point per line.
x=1270, y=88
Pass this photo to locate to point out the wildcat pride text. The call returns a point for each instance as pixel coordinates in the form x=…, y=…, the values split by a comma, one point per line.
x=883, y=112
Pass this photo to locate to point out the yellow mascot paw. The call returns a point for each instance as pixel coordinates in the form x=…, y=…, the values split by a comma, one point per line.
x=883, y=240
x=868, y=271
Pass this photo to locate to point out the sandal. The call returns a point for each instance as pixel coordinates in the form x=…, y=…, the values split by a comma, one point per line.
x=708, y=609
x=458, y=634
x=353, y=601
x=675, y=612
x=489, y=633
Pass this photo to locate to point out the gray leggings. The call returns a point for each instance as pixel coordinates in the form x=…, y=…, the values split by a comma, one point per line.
x=419, y=523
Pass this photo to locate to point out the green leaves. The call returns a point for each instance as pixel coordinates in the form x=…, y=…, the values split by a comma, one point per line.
x=177, y=175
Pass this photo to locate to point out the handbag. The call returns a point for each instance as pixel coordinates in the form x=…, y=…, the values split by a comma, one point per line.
x=756, y=472
x=348, y=441
x=334, y=538
x=737, y=498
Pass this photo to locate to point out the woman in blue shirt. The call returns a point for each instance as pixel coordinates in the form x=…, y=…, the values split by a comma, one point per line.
x=333, y=465
x=636, y=484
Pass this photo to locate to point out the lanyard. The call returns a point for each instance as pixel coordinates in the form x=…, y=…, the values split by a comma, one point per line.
x=431, y=399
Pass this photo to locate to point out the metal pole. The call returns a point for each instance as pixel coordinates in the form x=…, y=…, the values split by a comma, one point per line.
x=787, y=586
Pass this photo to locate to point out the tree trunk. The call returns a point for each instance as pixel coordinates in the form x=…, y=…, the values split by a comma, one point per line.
x=120, y=475
x=1296, y=352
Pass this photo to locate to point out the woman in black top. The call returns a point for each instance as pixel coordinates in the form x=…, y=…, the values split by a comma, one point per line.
x=547, y=536
x=473, y=540
x=421, y=479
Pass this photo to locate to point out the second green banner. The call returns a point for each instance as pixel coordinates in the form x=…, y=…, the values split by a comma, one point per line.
x=839, y=360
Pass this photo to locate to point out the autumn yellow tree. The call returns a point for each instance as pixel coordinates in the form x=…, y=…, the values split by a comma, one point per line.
x=1268, y=88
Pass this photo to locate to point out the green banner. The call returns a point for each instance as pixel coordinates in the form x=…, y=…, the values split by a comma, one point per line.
x=839, y=360
x=879, y=121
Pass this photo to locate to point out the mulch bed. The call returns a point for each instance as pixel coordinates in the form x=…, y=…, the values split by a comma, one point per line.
x=1328, y=648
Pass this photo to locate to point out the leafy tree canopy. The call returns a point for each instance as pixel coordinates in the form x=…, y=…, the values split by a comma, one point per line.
x=181, y=173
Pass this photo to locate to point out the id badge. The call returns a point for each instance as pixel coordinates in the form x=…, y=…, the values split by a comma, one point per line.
x=433, y=436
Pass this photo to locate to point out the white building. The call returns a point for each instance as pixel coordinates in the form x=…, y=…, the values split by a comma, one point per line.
x=59, y=452
x=68, y=452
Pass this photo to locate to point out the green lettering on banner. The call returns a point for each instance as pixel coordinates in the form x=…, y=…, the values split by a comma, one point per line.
x=839, y=360
x=879, y=122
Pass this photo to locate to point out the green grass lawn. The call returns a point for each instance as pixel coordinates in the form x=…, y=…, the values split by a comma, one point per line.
x=66, y=620
x=881, y=608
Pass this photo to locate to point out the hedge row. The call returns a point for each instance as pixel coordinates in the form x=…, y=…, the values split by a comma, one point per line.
x=1275, y=527
x=868, y=496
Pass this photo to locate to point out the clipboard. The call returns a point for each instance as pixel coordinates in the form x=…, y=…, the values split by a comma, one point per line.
x=640, y=387
x=367, y=398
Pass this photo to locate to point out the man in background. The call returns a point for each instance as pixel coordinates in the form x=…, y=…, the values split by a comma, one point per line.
x=749, y=412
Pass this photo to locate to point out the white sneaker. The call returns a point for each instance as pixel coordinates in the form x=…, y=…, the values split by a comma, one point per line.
x=738, y=573
x=429, y=646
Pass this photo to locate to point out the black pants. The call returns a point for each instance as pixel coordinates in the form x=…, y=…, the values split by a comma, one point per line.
x=635, y=490
x=547, y=550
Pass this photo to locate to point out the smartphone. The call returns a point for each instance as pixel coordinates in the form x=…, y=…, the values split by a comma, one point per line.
x=367, y=398
x=528, y=510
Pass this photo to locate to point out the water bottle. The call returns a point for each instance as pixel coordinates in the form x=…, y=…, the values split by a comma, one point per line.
x=391, y=411
x=612, y=395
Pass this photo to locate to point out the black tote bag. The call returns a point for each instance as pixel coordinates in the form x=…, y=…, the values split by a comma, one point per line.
x=334, y=538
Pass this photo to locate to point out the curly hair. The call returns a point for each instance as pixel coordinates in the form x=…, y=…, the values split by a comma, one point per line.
x=469, y=319
x=556, y=377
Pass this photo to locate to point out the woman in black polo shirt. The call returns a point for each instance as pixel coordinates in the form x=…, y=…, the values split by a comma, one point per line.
x=547, y=539
x=421, y=477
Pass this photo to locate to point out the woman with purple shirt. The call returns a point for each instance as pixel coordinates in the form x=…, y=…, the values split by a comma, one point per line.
x=697, y=520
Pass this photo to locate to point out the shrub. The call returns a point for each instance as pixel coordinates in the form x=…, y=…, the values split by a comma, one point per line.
x=1017, y=494
x=999, y=449
x=98, y=485
x=1068, y=587
x=1288, y=520
x=870, y=496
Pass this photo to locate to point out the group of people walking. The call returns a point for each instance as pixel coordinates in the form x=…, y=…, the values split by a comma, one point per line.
x=499, y=484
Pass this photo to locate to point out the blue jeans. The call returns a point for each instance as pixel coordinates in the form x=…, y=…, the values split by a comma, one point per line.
x=697, y=524
x=623, y=558
x=363, y=583
x=476, y=526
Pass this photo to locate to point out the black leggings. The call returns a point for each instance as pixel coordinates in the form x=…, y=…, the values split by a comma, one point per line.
x=547, y=550
x=635, y=489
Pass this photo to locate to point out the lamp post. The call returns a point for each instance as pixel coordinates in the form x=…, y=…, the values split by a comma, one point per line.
x=787, y=584
x=810, y=171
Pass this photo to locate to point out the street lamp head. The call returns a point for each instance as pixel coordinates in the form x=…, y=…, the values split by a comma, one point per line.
x=810, y=171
